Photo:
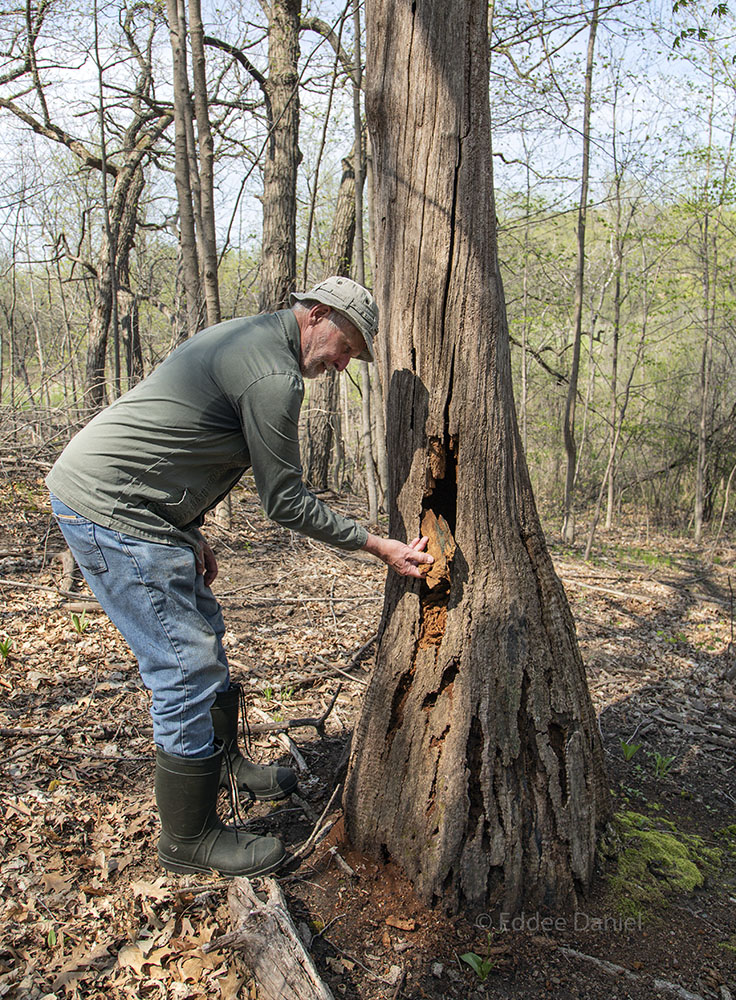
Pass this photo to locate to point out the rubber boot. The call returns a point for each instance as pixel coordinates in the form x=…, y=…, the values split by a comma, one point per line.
x=193, y=839
x=265, y=782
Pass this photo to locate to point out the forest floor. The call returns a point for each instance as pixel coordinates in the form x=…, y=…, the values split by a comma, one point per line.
x=87, y=912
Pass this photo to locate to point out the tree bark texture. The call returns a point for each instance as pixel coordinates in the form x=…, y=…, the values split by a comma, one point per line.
x=477, y=763
x=278, y=252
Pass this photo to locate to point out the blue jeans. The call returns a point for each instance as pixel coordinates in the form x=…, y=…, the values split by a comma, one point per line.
x=169, y=618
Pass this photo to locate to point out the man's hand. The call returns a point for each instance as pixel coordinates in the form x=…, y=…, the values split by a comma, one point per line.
x=206, y=562
x=403, y=559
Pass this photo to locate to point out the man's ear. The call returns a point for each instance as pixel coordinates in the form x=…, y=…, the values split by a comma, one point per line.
x=318, y=312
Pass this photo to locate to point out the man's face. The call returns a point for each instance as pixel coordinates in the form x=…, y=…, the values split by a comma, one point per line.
x=325, y=344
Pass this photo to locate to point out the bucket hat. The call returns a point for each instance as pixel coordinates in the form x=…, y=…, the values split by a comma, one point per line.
x=352, y=301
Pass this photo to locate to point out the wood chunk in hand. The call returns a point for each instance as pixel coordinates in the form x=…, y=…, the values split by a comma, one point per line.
x=441, y=545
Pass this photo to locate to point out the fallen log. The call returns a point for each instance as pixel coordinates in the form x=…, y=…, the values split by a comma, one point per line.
x=271, y=946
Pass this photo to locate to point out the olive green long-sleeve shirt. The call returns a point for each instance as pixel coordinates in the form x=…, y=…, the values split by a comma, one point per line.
x=155, y=461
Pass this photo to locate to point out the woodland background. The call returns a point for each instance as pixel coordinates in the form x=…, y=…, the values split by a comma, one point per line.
x=614, y=129
x=165, y=166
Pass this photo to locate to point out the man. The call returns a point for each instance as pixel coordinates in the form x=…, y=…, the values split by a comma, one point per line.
x=130, y=493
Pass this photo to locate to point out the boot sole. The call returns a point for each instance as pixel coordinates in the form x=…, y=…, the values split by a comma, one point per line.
x=182, y=868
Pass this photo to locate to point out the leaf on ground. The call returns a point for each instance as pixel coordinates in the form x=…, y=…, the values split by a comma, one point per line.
x=151, y=890
x=130, y=956
x=229, y=985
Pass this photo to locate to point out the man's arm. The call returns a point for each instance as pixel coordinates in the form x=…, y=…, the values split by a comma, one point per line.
x=403, y=559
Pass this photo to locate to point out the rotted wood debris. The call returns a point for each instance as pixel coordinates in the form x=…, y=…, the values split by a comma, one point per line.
x=270, y=943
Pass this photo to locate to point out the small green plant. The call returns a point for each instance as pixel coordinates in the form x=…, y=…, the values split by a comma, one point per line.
x=80, y=622
x=628, y=749
x=51, y=938
x=5, y=643
x=287, y=693
x=662, y=764
x=268, y=692
x=481, y=966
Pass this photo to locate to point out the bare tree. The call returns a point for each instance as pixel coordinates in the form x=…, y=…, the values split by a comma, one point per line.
x=146, y=125
x=568, y=526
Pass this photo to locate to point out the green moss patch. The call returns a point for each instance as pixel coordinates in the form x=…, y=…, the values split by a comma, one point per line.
x=654, y=859
x=728, y=835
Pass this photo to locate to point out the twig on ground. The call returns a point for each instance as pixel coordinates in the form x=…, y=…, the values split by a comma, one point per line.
x=352, y=958
x=351, y=662
x=339, y=670
x=317, y=723
x=320, y=829
x=4, y=581
x=290, y=746
x=661, y=985
x=305, y=807
x=399, y=985
x=341, y=862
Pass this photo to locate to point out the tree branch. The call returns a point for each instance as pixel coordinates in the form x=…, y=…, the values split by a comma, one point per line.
x=51, y=131
x=232, y=50
x=321, y=27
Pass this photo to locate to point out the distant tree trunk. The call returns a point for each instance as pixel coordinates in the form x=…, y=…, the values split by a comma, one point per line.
x=124, y=200
x=123, y=211
x=476, y=763
x=278, y=252
x=568, y=526
x=365, y=374
x=323, y=413
x=205, y=144
x=379, y=437
x=706, y=366
x=127, y=300
x=615, y=335
x=182, y=168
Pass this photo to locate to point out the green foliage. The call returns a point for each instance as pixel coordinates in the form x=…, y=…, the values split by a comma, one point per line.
x=80, y=622
x=482, y=967
x=628, y=749
x=5, y=644
x=662, y=764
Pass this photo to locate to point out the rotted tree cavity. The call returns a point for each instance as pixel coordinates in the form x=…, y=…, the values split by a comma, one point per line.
x=476, y=762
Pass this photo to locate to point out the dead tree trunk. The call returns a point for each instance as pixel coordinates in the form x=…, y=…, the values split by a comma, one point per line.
x=476, y=763
x=278, y=253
